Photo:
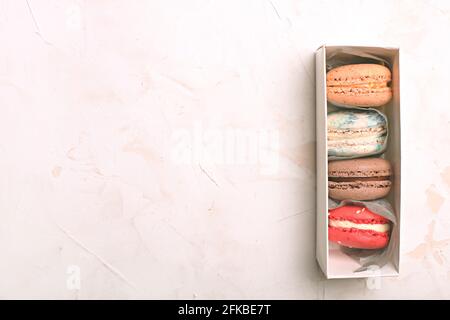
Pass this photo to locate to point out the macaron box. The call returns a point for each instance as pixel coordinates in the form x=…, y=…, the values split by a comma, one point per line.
x=358, y=161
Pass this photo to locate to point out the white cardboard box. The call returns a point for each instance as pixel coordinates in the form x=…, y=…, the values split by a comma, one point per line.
x=333, y=262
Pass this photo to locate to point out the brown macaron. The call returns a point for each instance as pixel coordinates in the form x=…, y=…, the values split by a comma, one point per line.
x=359, y=179
x=364, y=85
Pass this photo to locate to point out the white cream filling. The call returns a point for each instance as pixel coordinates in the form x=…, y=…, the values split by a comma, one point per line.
x=380, y=227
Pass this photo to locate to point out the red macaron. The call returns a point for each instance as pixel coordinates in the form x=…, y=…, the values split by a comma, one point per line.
x=358, y=227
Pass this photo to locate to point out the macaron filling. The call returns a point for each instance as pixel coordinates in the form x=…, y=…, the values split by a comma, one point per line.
x=335, y=133
x=353, y=179
x=370, y=84
x=349, y=91
x=372, y=185
x=357, y=141
x=377, y=227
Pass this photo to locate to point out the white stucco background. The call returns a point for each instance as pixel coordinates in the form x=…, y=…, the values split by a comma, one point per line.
x=107, y=109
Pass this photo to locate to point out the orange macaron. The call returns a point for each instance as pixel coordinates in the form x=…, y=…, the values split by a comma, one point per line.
x=359, y=85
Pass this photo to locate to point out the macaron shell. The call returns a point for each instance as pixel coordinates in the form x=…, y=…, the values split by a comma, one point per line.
x=359, y=190
x=356, y=147
x=356, y=214
x=355, y=238
x=357, y=74
x=365, y=167
x=354, y=119
x=361, y=97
